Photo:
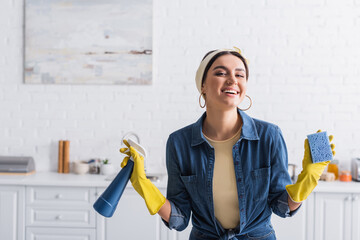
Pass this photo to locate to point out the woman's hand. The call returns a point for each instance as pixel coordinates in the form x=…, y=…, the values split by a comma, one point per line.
x=139, y=169
x=144, y=187
x=309, y=176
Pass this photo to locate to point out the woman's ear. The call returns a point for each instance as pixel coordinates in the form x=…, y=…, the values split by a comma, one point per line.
x=203, y=88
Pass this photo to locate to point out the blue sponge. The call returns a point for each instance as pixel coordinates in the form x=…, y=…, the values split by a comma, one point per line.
x=320, y=147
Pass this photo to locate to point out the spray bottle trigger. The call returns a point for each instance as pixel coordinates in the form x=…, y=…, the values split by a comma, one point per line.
x=140, y=149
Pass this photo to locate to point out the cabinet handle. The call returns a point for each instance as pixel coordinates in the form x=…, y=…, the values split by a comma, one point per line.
x=348, y=198
x=58, y=196
x=58, y=217
x=355, y=198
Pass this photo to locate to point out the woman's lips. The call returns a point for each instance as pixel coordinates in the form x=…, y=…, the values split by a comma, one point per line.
x=230, y=92
x=231, y=95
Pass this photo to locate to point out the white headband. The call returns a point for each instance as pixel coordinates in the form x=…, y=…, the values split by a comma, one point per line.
x=200, y=72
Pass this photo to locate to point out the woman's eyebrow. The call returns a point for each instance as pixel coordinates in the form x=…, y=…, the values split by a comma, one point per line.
x=222, y=67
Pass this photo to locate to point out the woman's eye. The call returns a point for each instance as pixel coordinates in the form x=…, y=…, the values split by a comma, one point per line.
x=220, y=74
x=239, y=75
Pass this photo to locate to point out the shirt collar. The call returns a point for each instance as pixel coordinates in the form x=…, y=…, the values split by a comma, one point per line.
x=248, y=130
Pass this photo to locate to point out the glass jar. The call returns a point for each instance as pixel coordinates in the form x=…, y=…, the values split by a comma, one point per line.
x=333, y=167
x=94, y=166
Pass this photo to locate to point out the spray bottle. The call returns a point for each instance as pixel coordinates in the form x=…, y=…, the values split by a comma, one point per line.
x=107, y=202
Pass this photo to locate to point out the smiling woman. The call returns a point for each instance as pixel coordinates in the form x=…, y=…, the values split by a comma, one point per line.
x=227, y=171
x=238, y=165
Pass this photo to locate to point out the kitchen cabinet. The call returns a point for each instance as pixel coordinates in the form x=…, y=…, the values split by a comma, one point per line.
x=59, y=206
x=52, y=212
x=12, y=212
x=355, y=216
x=132, y=220
x=336, y=216
x=59, y=233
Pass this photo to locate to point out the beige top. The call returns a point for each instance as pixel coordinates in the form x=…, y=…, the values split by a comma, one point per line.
x=226, y=202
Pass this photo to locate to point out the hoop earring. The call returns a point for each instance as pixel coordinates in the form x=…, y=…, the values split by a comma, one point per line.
x=249, y=106
x=202, y=106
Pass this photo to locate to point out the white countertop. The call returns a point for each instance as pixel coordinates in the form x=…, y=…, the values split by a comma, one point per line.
x=338, y=187
x=95, y=180
x=62, y=179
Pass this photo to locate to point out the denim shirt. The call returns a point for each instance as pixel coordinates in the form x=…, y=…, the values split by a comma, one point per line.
x=260, y=161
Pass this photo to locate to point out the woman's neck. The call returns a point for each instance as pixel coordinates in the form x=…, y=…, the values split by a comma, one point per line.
x=221, y=125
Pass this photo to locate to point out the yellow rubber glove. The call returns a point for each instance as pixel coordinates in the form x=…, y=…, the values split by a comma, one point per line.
x=153, y=197
x=309, y=176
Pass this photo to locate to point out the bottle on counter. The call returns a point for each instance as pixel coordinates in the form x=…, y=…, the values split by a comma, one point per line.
x=345, y=176
x=94, y=166
x=333, y=167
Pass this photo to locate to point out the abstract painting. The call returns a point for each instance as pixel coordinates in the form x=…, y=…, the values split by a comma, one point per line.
x=88, y=42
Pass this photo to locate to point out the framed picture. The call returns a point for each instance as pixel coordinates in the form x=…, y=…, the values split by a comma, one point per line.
x=88, y=42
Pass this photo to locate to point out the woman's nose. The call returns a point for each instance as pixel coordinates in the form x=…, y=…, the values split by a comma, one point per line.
x=231, y=80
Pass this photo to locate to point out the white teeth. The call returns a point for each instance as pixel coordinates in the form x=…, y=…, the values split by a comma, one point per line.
x=230, y=91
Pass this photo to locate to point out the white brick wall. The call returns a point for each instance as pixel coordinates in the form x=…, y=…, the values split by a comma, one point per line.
x=304, y=67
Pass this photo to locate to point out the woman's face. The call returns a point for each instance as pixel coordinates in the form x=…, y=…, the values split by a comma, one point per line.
x=225, y=83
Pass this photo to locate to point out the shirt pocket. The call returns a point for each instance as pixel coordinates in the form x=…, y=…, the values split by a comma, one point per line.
x=261, y=182
x=191, y=185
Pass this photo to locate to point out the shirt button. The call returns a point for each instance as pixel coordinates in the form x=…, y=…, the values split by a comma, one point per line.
x=241, y=196
x=239, y=179
x=236, y=162
x=242, y=210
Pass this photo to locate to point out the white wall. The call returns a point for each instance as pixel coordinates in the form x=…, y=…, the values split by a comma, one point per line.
x=304, y=75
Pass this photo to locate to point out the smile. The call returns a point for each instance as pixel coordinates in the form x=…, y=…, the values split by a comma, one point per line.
x=230, y=91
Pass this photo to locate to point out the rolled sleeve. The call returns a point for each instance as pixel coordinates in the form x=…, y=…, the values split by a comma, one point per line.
x=278, y=196
x=176, y=191
x=281, y=207
x=176, y=220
